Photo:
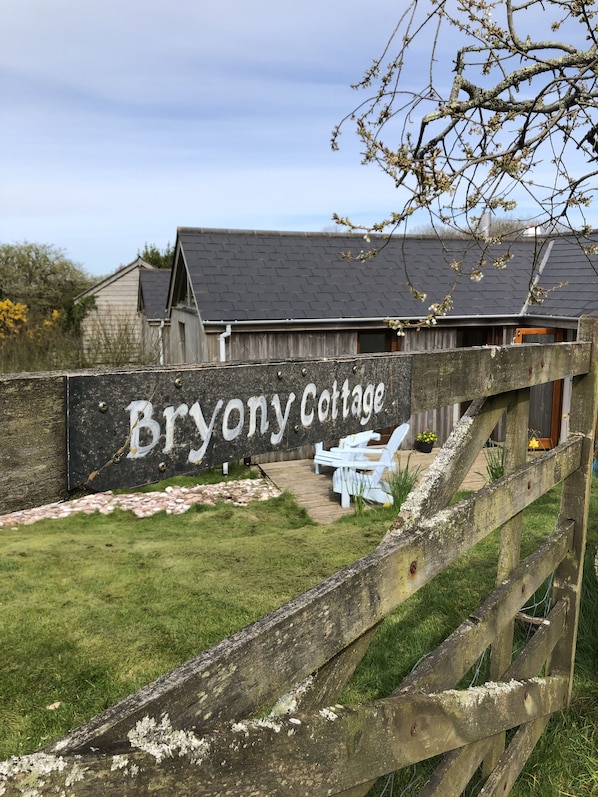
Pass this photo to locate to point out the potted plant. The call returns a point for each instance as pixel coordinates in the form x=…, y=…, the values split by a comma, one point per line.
x=425, y=440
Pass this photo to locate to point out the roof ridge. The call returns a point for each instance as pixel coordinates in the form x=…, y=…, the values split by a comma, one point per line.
x=303, y=233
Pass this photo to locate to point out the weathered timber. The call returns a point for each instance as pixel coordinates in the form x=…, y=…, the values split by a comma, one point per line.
x=457, y=768
x=445, y=667
x=506, y=771
x=131, y=429
x=320, y=753
x=450, y=662
x=323, y=688
x=452, y=775
x=516, y=445
x=575, y=502
x=300, y=637
x=33, y=410
x=442, y=480
x=536, y=652
x=33, y=447
x=438, y=381
x=445, y=475
x=435, y=492
x=516, y=451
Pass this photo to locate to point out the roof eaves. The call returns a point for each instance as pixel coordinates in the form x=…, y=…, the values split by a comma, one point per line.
x=358, y=319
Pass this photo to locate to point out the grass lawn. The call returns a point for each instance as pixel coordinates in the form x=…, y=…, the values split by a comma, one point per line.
x=94, y=607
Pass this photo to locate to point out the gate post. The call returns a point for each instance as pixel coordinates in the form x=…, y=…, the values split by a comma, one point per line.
x=575, y=502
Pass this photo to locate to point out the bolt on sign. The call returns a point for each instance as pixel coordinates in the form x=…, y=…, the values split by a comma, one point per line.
x=132, y=428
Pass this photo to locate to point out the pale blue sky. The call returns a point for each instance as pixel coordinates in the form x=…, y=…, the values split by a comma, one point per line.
x=124, y=119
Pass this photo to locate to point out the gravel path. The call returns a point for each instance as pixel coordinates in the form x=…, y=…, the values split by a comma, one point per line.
x=173, y=500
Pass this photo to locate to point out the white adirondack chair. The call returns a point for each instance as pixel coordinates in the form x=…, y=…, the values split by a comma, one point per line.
x=361, y=470
x=332, y=458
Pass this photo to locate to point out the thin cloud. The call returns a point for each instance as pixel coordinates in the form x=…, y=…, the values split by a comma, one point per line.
x=125, y=119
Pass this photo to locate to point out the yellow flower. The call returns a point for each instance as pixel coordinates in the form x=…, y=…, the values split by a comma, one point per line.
x=427, y=436
x=534, y=443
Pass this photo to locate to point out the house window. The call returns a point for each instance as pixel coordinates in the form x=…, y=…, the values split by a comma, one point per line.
x=479, y=336
x=183, y=295
x=545, y=400
x=372, y=342
x=182, y=343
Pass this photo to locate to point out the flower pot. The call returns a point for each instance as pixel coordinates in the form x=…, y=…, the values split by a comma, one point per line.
x=425, y=448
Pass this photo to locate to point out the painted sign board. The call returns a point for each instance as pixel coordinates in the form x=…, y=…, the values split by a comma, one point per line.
x=137, y=427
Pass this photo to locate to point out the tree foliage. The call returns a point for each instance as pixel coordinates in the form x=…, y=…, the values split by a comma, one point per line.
x=39, y=276
x=161, y=258
x=480, y=106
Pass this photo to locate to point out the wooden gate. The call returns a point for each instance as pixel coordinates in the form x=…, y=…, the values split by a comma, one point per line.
x=257, y=714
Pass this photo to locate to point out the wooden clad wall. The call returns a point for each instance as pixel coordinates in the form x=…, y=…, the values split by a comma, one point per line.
x=439, y=420
x=114, y=322
x=259, y=344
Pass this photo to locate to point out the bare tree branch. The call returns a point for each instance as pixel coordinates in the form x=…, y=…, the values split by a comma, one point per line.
x=515, y=127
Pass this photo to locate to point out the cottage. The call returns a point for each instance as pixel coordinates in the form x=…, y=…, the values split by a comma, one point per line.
x=112, y=330
x=250, y=295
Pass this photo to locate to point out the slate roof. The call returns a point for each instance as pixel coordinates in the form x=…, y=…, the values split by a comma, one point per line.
x=241, y=275
x=153, y=293
x=568, y=262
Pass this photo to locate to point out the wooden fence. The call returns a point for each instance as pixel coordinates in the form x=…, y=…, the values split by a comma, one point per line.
x=257, y=714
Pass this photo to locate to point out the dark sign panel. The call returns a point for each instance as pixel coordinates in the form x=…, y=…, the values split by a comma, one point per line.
x=133, y=428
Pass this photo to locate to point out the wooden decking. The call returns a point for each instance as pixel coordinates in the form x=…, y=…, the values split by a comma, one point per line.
x=314, y=492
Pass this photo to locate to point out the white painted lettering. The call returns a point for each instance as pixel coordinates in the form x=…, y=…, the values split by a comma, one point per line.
x=196, y=454
x=234, y=405
x=368, y=404
x=357, y=394
x=345, y=392
x=323, y=405
x=318, y=405
x=140, y=418
x=171, y=415
x=253, y=403
x=307, y=418
x=335, y=396
x=281, y=419
x=379, y=397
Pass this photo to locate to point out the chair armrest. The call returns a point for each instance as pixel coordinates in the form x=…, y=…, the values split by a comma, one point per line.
x=351, y=451
x=358, y=439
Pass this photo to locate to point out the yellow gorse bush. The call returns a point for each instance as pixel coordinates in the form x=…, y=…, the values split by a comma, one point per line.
x=13, y=317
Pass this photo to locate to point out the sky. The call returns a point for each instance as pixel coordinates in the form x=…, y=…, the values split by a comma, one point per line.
x=125, y=119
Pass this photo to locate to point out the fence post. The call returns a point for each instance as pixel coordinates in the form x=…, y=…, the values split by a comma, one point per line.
x=575, y=504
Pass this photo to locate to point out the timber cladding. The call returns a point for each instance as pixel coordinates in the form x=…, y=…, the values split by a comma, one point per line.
x=105, y=429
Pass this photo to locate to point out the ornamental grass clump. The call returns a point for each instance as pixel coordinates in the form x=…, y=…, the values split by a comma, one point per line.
x=402, y=481
x=495, y=462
